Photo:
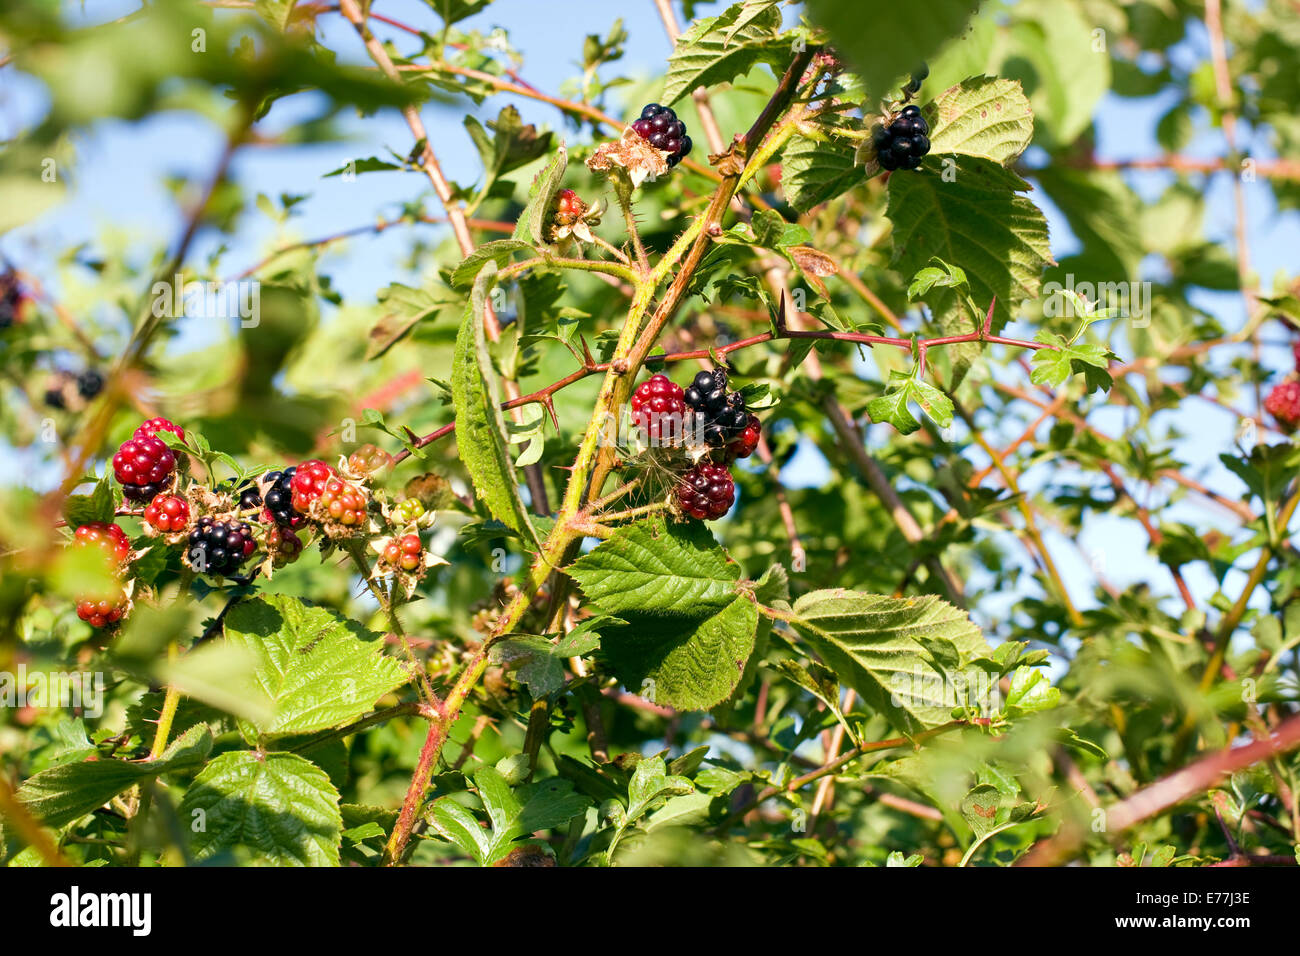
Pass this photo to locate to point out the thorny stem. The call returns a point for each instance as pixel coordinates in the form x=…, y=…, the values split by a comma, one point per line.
x=594, y=461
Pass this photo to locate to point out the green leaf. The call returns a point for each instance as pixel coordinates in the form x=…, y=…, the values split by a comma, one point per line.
x=816, y=170
x=531, y=225
x=874, y=644
x=653, y=567
x=480, y=429
x=99, y=505
x=512, y=814
x=278, y=805
x=650, y=783
x=684, y=663
x=453, y=11
x=983, y=116
x=718, y=49
x=69, y=791
x=981, y=221
x=319, y=669
x=500, y=251
x=883, y=40
x=403, y=309
x=538, y=663
x=1030, y=692
x=979, y=808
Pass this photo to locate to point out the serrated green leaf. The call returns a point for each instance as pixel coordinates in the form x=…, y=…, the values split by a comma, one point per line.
x=500, y=251
x=982, y=116
x=688, y=663
x=279, y=806
x=64, y=793
x=531, y=225
x=873, y=644
x=981, y=221
x=653, y=567
x=814, y=171
x=979, y=808
x=480, y=428
x=319, y=669
x=718, y=49
x=884, y=40
x=1030, y=692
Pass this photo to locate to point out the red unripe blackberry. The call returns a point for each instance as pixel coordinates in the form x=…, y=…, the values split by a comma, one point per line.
x=100, y=613
x=168, y=513
x=368, y=459
x=343, y=502
x=109, y=538
x=658, y=407
x=1283, y=403
x=568, y=205
x=308, y=482
x=405, y=552
x=219, y=547
x=706, y=492
x=143, y=465
x=153, y=426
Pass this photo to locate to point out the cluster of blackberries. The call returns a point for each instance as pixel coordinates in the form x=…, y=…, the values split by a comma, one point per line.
x=219, y=547
x=904, y=142
x=702, y=413
x=726, y=419
x=660, y=126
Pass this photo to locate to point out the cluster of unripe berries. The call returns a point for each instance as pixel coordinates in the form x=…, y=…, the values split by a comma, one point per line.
x=220, y=544
x=660, y=127
x=702, y=414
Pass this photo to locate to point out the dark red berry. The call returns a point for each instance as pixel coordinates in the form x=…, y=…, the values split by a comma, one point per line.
x=168, y=513
x=143, y=465
x=1283, y=403
x=153, y=426
x=706, y=492
x=219, y=547
x=658, y=407
x=109, y=538
x=660, y=127
x=101, y=613
x=90, y=383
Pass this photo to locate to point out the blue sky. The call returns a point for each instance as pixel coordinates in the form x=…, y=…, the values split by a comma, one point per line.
x=120, y=167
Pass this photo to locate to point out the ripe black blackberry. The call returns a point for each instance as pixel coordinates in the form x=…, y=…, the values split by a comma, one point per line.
x=724, y=413
x=904, y=142
x=90, y=383
x=219, y=547
x=661, y=127
x=279, y=498
x=248, y=495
